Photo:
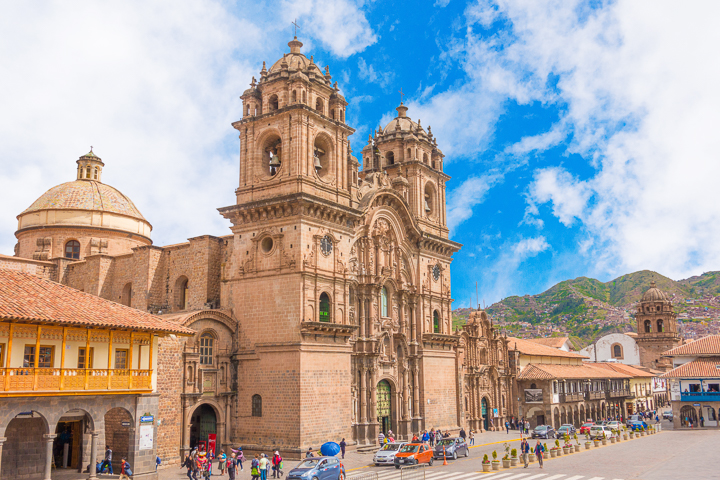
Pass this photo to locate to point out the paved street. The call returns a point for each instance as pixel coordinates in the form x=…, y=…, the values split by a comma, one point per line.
x=668, y=455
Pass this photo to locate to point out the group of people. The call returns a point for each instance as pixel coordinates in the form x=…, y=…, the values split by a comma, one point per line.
x=515, y=424
x=199, y=464
x=431, y=437
x=537, y=451
x=106, y=465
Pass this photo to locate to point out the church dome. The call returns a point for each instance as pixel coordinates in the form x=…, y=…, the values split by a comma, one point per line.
x=654, y=294
x=295, y=60
x=405, y=123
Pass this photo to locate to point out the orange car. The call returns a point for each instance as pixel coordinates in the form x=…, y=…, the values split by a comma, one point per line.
x=412, y=454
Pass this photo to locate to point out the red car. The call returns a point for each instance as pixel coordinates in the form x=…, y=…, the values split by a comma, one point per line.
x=586, y=427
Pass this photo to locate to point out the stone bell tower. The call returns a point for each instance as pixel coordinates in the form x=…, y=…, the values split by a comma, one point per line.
x=656, y=328
x=287, y=277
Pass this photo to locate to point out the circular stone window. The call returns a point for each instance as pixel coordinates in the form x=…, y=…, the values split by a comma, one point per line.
x=436, y=272
x=326, y=245
x=266, y=244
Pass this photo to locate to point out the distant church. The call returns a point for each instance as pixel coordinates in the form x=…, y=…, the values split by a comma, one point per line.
x=326, y=313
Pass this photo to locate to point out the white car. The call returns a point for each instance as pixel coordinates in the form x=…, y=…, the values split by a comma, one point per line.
x=613, y=425
x=597, y=432
x=386, y=455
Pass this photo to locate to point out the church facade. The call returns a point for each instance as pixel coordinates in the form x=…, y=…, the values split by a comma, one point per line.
x=326, y=313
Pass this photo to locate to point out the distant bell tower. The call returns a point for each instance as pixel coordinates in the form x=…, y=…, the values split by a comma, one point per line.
x=656, y=328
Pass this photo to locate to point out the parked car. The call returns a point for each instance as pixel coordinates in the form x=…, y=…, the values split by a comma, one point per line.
x=386, y=455
x=566, y=430
x=667, y=416
x=613, y=425
x=585, y=428
x=636, y=425
x=633, y=418
x=543, y=431
x=453, y=448
x=318, y=468
x=598, y=432
x=413, y=454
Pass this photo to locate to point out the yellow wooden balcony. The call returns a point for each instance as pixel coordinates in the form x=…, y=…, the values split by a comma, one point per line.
x=73, y=380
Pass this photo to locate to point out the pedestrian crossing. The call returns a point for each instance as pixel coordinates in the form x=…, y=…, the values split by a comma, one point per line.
x=513, y=475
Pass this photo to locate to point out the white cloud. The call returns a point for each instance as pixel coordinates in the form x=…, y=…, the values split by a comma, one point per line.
x=368, y=72
x=467, y=195
x=637, y=91
x=501, y=278
x=340, y=25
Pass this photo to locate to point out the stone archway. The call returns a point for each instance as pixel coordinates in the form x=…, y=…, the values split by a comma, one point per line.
x=688, y=413
x=204, y=419
x=385, y=411
x=119, y=435
x=25, y=430
x=71, y=447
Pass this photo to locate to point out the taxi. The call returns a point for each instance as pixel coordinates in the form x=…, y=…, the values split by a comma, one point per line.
x=413, y=454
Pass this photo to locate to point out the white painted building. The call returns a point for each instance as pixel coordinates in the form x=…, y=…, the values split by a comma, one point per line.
x=614, y=347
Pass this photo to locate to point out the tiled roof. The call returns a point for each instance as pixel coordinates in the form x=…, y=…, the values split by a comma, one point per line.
x=554, y=342
x=85, y=195
x=709, y=345
x=527, y=347
x=543, y=371
x=707, y=367
x=622, y=368
x=25, y=297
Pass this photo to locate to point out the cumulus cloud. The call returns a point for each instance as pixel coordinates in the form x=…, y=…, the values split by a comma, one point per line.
x=569, y=196
x=467, y=195
x=500, y=279
x=368, y=72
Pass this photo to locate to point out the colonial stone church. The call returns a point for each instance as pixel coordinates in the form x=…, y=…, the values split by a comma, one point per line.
x=326, y=313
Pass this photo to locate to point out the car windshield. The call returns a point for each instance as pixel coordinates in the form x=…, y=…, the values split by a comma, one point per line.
x=596, y=427
x=391, y=446
x=447, y=441
x=309, y=463
x=409, y=448
x=540, y=428
x=587, y=424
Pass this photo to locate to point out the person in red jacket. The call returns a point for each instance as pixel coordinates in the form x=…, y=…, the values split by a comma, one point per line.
x=125, y=471
x=277, y=464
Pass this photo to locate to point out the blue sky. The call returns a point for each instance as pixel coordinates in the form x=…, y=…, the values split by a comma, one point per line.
x=580, y=136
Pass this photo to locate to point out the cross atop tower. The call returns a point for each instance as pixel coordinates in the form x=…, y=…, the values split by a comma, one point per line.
x=401, y=95
x=296, y=26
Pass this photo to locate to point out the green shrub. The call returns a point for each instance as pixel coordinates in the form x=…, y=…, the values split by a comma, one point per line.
x=513, y=452
x=485, y=459
x=494, y=454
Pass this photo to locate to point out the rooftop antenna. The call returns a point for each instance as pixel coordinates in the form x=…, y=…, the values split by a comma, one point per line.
x=296, y=26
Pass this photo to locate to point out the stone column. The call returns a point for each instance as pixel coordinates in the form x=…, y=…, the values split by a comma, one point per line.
x=363, y=395
x=93, y=454
x=2, y=441
x=361, y=314
x=220, y=435
x=48, y=455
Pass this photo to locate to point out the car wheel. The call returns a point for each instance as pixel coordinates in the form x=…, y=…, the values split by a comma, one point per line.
x=454, y=455
x=341, y=476
x=315, y=478
x=467, y=451
x=431, y=461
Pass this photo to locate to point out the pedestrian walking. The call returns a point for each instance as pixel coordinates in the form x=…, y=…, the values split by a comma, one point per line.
x=125, y=470
x=525, y=449
x=187, y=463
x=539, y=449
x=507, y=427
x=309, y=453
x=343, y=445
x=255, y=467
x=107, y=461
x=472, y=437
x=431, y=436
x=222, y=459
x=702, y=421
x=277, y=465
x=264, y=464
x=157, y=462
x=231, y=466
x=463, y=435
x=239, y=458
x=381, y=438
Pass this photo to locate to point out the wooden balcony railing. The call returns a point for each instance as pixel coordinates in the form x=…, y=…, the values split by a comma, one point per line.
x=73, y=379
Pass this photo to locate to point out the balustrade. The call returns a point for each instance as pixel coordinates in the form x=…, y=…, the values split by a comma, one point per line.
x=73, y=379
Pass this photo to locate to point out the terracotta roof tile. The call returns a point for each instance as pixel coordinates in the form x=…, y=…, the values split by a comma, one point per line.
x=527, y=347
x=622, y=368
x=708, y=367
x=709, y=345
x=543, y=371
x=25, y=297
x=554, y=342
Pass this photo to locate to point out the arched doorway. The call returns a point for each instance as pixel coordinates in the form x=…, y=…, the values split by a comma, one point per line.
x=69, y=443
x=118, y=435
x=688, y=413
x=384, y=406
x=24, y=451
x=202, y=424
x=484, y=411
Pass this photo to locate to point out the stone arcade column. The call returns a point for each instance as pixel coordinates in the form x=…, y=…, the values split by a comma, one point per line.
x=2, y=441
x=49, y=438
x=93, y=454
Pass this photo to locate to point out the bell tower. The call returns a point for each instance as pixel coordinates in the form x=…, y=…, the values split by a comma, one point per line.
x=656, y=328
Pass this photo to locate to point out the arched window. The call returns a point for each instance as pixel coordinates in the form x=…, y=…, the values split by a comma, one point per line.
x=429, y=199
x=533, y=386
x=384, y=299
x=304, y=98
x=126, y=298
x=293, y=96
x=72, y=249
x=96, y=174
x=256, y=406
x=425, y=158
x=409, y=157
x=182, y=286
x=617, y=351
x=324, y=307
x=319, y=105
x=87, y=172
x=390, y=158
x=659, y=325
x=206, y=349
x=436, y=322
x=342, y=115
x=273, y=103
x=648, y=326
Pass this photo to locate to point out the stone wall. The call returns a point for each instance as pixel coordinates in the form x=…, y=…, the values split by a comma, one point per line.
x=54, y=239
x=439, y=381
x=23, y=454
x=44, y=270
x=169, y=386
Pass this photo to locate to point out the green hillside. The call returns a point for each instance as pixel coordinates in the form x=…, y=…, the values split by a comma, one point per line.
x=584, y=308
